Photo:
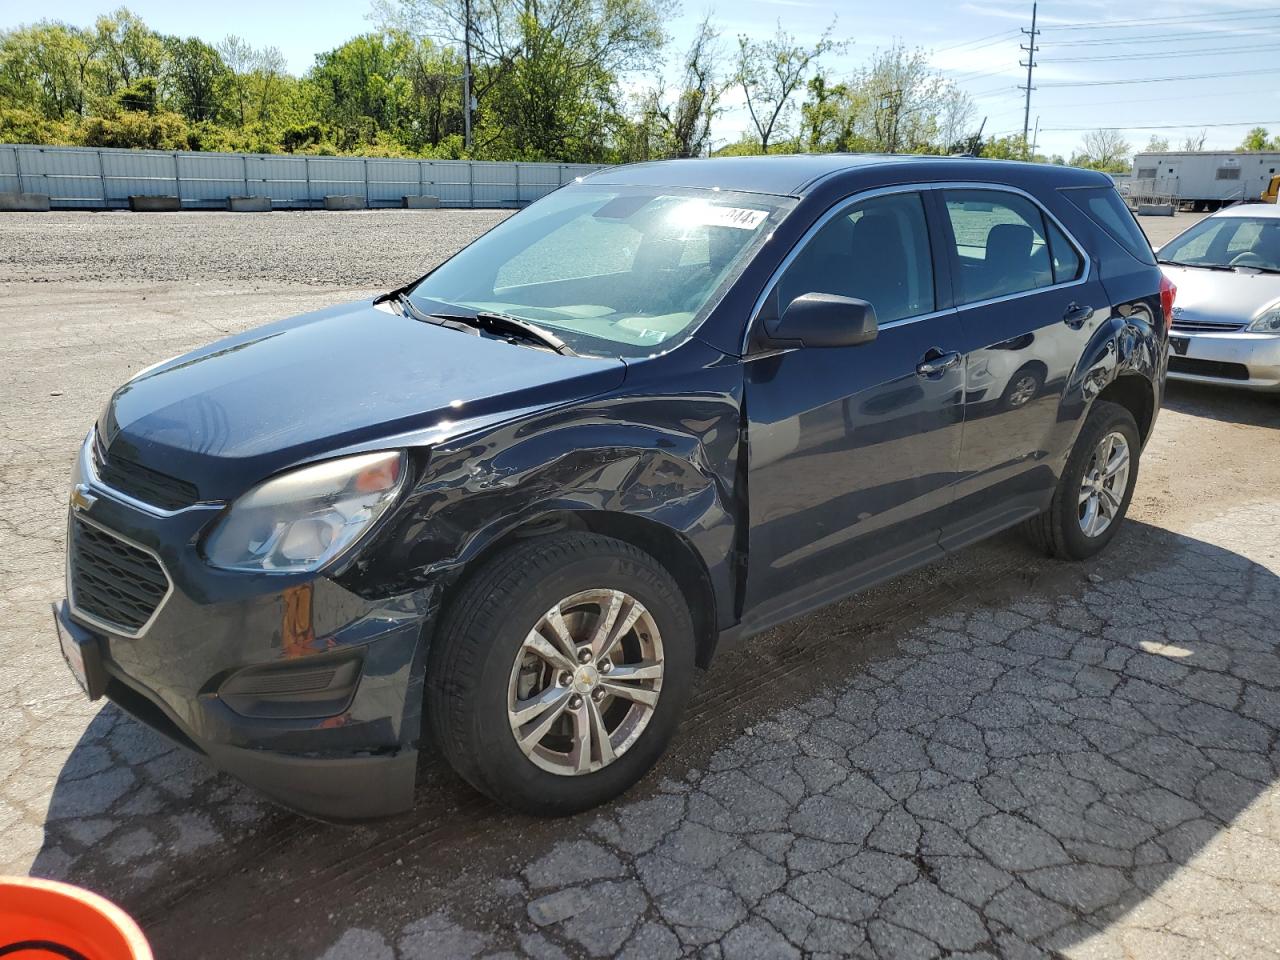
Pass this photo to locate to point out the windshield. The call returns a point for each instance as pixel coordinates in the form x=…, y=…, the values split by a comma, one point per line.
x=611, y=270
x=1227, y=242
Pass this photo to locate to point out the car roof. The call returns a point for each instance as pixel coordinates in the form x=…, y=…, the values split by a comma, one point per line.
x=1250, y=210
x=795, y=174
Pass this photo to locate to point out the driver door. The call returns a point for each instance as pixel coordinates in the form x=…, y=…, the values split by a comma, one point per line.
x=853, y=450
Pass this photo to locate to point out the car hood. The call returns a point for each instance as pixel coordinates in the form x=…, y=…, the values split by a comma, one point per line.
x=1219, y=295
x=227, y=415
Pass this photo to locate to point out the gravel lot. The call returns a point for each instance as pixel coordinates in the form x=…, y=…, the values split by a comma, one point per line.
x=997, y=756
x=369, y=248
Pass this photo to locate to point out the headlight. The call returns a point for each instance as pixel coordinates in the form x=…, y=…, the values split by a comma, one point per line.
x=301, y=520
x=1266, y=322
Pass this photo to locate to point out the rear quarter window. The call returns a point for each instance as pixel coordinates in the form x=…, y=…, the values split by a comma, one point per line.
x=1104, y=207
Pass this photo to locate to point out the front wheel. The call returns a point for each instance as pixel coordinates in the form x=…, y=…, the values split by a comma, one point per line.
x=1093, y=493
x=560, y=672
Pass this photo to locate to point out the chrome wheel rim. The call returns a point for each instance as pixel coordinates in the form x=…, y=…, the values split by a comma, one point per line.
x=1023, y=391
x=1105, y=480
x=585, y=682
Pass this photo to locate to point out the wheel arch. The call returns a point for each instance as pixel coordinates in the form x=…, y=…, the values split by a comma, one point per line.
x=667, y=546
x=1135, y=393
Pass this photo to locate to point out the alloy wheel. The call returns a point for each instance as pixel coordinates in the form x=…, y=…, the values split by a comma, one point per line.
x=585, y=682
x=1103, y=487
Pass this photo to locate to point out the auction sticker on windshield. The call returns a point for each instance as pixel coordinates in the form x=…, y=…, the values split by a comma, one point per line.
x=744, y=218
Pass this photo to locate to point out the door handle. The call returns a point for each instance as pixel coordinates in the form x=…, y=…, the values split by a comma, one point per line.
x=1076, y=315
x=937, y=362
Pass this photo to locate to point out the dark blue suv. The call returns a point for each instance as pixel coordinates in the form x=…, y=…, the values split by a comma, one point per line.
x=509, y=508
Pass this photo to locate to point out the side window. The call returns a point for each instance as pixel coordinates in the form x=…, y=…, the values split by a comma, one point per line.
x=1105, y=208
x=1067, y=262
x=1000, y=244
x=877, y=251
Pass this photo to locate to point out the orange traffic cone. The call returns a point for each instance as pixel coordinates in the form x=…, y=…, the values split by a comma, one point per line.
x=46, y=920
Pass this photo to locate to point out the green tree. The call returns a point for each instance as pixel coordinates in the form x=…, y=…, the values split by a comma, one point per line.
x=1257, y=139
x=1104, y=149
x=771, y=72
x=194, y=76
x=1004, y=148
x=545, y=73
x=125, y=50
x=45, y=68
x=896, y=103
x=685, y=122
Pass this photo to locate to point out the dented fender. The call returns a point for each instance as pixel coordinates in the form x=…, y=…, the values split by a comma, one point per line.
x=1128, y=343
x=665, y=453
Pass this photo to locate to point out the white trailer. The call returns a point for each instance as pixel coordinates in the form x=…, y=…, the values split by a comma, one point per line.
x=1201, y=180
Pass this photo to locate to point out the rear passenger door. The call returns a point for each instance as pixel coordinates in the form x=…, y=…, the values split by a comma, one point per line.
x=1028, y=304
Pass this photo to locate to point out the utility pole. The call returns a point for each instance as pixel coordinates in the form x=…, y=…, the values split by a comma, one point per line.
x=466, y=77
x=1031, y=48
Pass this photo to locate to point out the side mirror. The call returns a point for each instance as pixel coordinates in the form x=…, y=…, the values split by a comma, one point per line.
x=822, y=320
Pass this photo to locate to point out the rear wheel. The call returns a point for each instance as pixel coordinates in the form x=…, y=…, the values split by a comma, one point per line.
x=560, y=672
x=1093, y=493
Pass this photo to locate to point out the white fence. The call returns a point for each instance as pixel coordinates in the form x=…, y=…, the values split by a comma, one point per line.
x=97, y=179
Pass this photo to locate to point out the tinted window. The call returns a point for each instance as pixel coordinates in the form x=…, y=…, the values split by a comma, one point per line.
x=877, y=251
x=1067, y=262
x=1105, y=208
x=1000, y=242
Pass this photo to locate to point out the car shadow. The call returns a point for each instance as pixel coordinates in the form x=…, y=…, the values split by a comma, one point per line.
x=1045, y=750
x=1223, y=403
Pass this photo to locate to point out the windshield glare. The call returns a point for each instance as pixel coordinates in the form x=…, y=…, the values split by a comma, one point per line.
x=1228, y=242
x=612, y=271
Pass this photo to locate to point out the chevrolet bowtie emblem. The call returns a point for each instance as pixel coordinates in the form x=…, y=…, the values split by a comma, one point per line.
x=81, y=498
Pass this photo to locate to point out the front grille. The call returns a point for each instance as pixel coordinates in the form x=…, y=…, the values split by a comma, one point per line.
x=1208, y=368
x=113, y=581
x=1206, y=326
x=142, y=483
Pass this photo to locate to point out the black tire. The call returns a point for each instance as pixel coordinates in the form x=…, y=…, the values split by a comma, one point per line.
x=1057, y=531
x=470, y=666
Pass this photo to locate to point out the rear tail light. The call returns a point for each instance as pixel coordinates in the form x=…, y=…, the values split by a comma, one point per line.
x=1167, y=294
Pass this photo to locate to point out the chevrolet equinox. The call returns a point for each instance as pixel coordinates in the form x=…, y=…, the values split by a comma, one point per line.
x=507, y=509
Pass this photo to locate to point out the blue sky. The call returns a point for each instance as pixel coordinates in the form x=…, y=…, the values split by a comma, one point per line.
x=1083, y=41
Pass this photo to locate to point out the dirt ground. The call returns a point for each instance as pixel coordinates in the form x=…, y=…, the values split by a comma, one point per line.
x=999, y=755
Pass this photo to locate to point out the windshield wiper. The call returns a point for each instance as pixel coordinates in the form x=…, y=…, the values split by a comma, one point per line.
x=505, y=323
x=1202, y=266
x=489, y=320
x=407, y=306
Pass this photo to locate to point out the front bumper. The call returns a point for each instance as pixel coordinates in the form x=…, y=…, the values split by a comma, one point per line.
x=1250, y=361
x=292, y=683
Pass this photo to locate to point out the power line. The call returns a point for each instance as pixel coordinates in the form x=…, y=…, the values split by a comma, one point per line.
x=961, y=78
x=1128, y=100
x=993, y=37
x=1164, y=40
x=1165, y=126
x=1189, y=76
x=1189, y=19
x=1003, y=88
x=1166, y=55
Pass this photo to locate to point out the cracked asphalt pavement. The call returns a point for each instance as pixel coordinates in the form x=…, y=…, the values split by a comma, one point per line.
x=999, y=755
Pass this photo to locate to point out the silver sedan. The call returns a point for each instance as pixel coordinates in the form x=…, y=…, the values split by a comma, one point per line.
x=1226, y=321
